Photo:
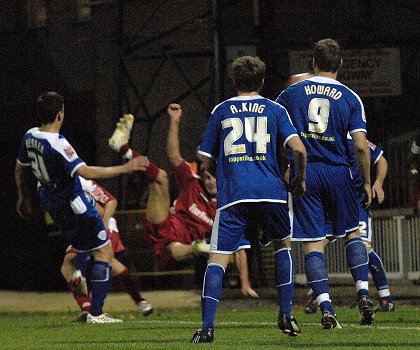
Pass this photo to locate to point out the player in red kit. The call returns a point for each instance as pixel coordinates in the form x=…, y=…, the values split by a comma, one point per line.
x=178, y=233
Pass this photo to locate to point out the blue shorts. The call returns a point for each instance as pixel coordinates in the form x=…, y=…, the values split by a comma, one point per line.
x=79, y=222
x=230, y=225
x=329, y=205
x=365, y=221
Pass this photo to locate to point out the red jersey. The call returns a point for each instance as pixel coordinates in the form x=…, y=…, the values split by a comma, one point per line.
x=194, y=209
x=191, y=218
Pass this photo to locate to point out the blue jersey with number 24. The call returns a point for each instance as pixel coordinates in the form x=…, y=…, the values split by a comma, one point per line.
x=245, y=135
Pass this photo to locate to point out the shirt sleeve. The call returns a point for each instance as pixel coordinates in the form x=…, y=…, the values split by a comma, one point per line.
x=22, y=156
x=183, y=175
x=69, y=158
x=375, y=152
x=286, y=127
x=210, y=141
x=358, y=117
x=282, y=99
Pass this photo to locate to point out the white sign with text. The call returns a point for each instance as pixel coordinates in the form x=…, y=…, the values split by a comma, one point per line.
x=369, y=72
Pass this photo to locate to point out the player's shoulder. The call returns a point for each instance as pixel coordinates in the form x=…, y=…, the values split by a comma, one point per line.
x=221, y=106
x=32, y=131
x=277, y=107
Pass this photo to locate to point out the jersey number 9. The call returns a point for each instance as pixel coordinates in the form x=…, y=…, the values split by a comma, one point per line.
x=318, y=113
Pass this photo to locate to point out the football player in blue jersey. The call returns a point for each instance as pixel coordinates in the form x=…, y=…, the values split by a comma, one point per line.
x=376, y=267
x=324, y=111
x=243, y=140
x=57, y=167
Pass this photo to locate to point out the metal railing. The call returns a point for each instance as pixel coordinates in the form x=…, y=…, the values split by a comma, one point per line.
x=396, y=239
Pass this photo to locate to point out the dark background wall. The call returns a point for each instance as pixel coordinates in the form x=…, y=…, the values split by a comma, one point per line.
x=137, y=56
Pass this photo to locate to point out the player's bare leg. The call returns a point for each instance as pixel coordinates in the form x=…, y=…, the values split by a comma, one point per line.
x=158, y=203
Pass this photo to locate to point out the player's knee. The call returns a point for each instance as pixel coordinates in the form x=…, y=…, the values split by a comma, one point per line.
x=368, y=246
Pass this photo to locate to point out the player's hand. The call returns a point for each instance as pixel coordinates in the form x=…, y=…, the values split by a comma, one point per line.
x=378, y=192
x=286, y=176
x=368, y=195
x=139, y=163
x=298, y=186
x=248, y=291
x=175, y=112
x=24, y=208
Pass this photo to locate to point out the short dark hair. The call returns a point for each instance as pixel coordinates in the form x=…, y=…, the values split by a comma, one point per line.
x=248, y=73
x=327, y=55
x=48, y=105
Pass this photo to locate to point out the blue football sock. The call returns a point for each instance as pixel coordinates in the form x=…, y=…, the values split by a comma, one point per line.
x=284, y=270
x=100, y=284
x=212, y=291
x=377, y=271
x=317, y=276
x=357, y=261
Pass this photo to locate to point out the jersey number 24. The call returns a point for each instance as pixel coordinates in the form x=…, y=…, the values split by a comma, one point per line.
x=261, y=137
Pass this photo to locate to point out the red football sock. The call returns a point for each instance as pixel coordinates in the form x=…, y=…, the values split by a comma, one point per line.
x=125, y=281
x=84, y=301
x=124, y=149
x=152, y=170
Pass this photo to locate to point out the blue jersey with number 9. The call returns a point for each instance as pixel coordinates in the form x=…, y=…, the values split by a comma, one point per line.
x=323, y=111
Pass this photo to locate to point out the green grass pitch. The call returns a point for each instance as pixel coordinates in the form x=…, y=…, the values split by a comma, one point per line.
x=235, y=329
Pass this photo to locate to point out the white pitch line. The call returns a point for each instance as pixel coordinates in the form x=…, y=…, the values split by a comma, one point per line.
x=345, y=325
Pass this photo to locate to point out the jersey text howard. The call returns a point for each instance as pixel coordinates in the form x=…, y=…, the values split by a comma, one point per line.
x=323, y=90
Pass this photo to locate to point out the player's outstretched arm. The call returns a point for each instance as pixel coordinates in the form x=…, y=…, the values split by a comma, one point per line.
x=98, y=172
x=362, y=153
x=381, y=171
x=172, y=148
